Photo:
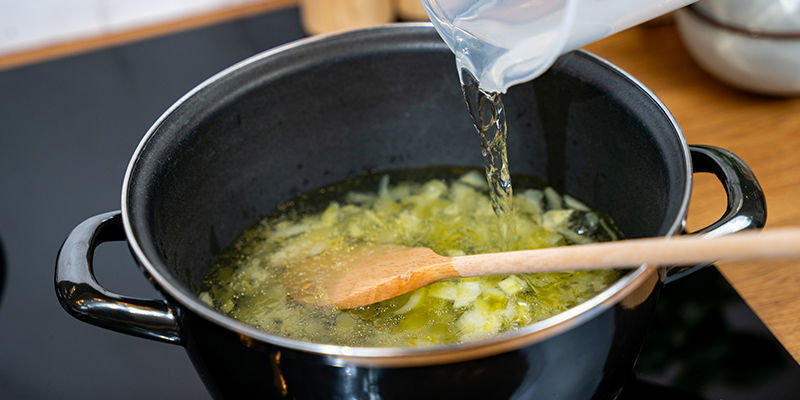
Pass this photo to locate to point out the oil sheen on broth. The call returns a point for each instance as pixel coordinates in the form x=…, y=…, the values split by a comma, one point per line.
x=448, y=210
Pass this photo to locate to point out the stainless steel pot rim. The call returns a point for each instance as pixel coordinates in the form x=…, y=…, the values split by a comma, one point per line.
x=389, y=357
x=755, y=33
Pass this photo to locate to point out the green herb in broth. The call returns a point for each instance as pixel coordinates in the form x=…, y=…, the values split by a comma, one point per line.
x=453, y=217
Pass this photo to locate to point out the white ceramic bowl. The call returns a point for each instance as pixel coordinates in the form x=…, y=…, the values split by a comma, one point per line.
x=755, y=47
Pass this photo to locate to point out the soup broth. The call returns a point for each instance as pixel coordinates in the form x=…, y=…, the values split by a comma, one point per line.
x=453, y=216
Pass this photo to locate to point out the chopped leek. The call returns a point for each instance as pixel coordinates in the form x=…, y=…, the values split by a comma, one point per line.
x=452, y=218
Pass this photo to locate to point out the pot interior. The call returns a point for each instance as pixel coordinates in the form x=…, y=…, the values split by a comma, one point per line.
x=385, y=99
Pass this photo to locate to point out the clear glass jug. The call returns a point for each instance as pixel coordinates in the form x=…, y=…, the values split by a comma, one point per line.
x=505, y=42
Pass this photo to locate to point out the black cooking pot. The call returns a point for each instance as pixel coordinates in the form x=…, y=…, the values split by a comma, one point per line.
x=320, y=110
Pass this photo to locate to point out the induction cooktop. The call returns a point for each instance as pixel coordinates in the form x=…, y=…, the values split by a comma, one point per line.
x=67, y=130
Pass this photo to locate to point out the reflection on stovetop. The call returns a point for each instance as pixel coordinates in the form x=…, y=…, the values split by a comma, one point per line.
x=638, y=389
x=66, y=134
x=706, y=341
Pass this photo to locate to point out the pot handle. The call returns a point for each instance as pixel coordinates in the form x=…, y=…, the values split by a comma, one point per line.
x=87, y=300
x=747, y=207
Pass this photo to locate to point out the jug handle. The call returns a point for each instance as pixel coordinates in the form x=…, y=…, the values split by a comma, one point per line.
x=86, y=299
x=747, y=206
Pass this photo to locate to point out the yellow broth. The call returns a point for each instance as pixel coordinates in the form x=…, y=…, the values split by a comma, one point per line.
x=453, y=217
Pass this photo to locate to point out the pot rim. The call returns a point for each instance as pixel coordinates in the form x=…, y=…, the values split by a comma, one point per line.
x=402, y=356
x=709, y=18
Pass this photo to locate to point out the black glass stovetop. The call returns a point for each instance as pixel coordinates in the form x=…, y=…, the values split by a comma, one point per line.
x=67, y=130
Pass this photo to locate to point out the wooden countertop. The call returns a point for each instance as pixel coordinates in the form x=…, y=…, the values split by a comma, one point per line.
x=763, y=131
x=71, y=47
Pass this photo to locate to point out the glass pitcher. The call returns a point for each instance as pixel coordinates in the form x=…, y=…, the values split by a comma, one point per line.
x=505, y=42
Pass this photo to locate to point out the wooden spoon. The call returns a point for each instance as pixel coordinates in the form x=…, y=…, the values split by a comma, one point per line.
x=373, y=272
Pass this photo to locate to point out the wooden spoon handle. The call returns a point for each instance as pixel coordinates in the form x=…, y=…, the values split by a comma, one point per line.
x=678, y=250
